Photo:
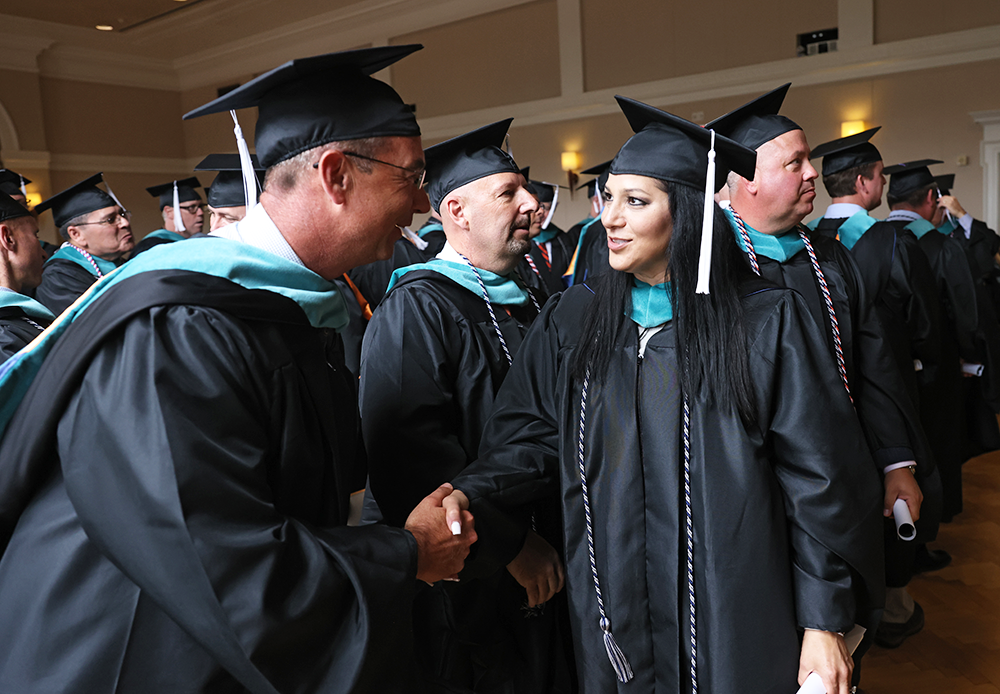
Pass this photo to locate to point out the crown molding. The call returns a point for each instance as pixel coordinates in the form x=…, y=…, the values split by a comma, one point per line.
x=956, y=48
x=89, y=65
x=20, y=52
x=25, y=159
x=121, y=164
x=340, y=29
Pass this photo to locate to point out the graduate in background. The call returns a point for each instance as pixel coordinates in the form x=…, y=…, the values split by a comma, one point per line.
x=182, y=210
x=551, y=248
x=436, y=352
x=22, y=319
x=680, y=431
x=591, y=256
x=227, y=196
x=175, y=489
x=98, y=235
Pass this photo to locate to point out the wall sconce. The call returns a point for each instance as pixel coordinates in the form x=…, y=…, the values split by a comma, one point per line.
x=852, y=127
x=33, y=199
x=570, y=163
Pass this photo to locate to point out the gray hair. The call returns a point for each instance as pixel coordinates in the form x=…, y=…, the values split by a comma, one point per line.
x=285, y=175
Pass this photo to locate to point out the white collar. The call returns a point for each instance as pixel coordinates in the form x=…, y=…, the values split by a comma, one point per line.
x=908, y=215
x=258, y=230
x=843, y=210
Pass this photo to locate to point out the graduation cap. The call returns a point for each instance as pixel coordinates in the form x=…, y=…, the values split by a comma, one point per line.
x=847, y=152
x=596, y=184
x=547, y=193
x=909, y=177
x=467, y=158
x=11, y=208
x=757, y=121
x=227, y=190
x=669, y=148
x=80, y=198
x=12, y=183
x=173, y=194
x=945, y=183
x=310, y=102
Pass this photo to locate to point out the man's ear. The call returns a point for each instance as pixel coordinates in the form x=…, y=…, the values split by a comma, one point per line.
x=7, y=241
x=453, y=209
x=335, y=176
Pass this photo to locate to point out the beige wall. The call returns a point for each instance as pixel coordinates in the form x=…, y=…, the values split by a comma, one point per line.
x=896, y=20
x=499, y=58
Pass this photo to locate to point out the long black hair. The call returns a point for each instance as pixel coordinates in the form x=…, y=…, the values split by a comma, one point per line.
x=711, y=334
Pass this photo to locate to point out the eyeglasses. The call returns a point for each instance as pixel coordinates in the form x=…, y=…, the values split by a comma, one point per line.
x=192, y=209
x=111, y=220
x=418, y=177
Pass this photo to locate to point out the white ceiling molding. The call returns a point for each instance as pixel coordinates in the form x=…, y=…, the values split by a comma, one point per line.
x=89, y=65
x=25, y=159
x=902, y=56
x=18, y=52
x=122, y=164
x=337, y=30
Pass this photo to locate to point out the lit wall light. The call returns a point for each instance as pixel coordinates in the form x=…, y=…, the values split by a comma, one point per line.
x=104, y=27
x=570, y=163
x=33, y=199
x=852, y=127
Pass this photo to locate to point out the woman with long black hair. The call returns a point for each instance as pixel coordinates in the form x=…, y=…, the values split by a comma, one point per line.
x=720, y=520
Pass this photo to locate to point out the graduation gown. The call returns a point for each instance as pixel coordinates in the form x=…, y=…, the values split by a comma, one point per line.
x=785, y=534
x=431, y=367
x=17, y=329
x=173, y=493
x=941, y=393
x=550, y=273
x=888, y=417
x=63, y=281
x=155, y=238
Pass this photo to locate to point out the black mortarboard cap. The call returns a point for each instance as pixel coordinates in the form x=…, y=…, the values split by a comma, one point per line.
x=453, y=163
x=542, y=190
x=185, y=191
x=945, y=183
x=601, y=171
x=909, y=177
x=847, y=152
x=757, y=121
x=670, y=148
x=227, y=188
x=310, y=102
x=11, y=208
x=81, y=198
x=10, y=182
x=526, y=171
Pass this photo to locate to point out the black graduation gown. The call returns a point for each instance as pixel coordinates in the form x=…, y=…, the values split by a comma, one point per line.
x=551, y=274
x=17, y=329
x=177, y=474
x=147, y=243
x=941, y=388
x=431, y=366
x=786, y=534
x=888, y=417
x=63, y=281
x=593, y=258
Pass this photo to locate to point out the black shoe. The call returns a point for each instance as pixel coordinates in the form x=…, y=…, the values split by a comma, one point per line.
x=930, y=560
x=889, y=635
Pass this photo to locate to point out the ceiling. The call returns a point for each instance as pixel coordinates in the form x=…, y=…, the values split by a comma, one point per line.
x=121, y=14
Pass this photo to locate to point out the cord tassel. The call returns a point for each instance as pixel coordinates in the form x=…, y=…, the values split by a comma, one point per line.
x=552, y=210
x=249, y=177
x=178, y=221
x=707, y=225
x=113, y=196
x=414, y=238
x=622, y=669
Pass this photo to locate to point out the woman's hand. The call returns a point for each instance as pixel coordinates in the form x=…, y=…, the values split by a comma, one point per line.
x=825, y=653
x=538, y=569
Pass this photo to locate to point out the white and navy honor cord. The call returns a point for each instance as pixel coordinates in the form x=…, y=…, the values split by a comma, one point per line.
x=824, y=290
x=618, y=660
x=489, y=307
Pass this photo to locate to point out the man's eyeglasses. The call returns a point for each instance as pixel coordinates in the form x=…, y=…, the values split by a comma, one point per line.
x=111, y=220
x=418, y=177
x=193, y=209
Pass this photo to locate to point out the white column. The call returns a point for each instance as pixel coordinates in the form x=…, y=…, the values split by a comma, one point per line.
x=570, y=47
x=989, y=152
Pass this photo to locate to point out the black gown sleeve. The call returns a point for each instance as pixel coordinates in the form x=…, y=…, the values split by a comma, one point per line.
x=63, y=281
x=15, y=332
x=177, y=461
x=959, y=290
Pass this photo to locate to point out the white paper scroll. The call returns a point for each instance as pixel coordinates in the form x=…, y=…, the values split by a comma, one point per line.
x=972, y=369
x=904, y=521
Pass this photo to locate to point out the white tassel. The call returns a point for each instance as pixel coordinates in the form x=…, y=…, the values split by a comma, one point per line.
x=618, y=661
x=414, y=238
x=178, y=222
x=552, y=210
x=24, y=191
x=249, y=178
x=113, y=196
x=707, y=226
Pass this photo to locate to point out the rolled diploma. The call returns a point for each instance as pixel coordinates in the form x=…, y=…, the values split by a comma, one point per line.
x=972, y=369
x=904, y=521
x=813, y=683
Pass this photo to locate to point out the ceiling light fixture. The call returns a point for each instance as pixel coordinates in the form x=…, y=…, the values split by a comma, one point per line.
x=104, y=27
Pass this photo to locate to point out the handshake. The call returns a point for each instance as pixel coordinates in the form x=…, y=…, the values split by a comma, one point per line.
x=444, y=530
